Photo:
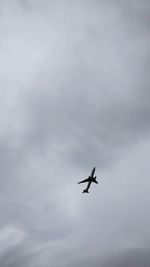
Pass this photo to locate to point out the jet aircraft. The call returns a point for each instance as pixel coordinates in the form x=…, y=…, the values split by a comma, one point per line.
x=90, y=179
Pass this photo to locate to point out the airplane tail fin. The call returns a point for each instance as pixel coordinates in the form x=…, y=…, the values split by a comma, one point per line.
x=85, y=191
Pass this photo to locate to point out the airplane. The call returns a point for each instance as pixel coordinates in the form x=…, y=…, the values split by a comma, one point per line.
x=90, y=179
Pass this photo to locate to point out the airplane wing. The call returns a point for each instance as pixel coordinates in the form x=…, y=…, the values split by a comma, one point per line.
x=84, y=181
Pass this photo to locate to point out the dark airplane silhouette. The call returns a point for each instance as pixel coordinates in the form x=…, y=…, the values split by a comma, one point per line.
x=90, y=179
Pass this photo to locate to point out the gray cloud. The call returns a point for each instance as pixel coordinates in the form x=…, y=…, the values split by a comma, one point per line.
x=96, y=103
x=74, y=93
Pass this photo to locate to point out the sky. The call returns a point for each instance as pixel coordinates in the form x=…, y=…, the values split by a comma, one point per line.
x=74, y=94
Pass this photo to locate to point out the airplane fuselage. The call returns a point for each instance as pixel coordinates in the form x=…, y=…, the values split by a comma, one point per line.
x=90, y=179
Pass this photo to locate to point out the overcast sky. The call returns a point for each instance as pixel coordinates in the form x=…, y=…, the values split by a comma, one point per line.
x=74, y=93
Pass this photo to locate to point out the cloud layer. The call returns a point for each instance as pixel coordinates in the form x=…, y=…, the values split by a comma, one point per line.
x=74, y=94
